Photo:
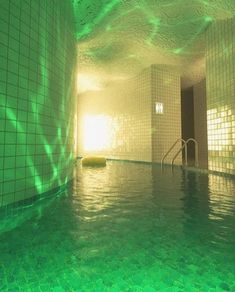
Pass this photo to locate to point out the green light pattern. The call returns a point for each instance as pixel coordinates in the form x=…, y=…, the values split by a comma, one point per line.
x=37, y=98
x=90, y=14
x=121, y=38
x=179, y=16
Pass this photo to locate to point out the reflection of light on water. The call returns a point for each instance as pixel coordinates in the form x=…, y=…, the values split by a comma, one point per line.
x=95, y=193
x=112, y=191
x=222, y=196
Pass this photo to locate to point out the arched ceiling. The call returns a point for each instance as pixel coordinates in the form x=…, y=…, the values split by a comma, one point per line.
x=118, y=38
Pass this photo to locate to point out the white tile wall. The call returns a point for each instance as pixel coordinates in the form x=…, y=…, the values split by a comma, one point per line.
x=135, y=131
x=167, y=126
x=126, y=107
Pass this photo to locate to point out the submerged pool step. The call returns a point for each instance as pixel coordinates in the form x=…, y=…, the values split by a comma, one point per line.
x=95, y=161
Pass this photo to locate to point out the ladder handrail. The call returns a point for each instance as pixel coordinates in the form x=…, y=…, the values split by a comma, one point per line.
x=185, y=145
x=180, y=139
x=180, y=150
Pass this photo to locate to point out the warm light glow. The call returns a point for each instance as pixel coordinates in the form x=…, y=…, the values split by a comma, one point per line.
x=87, y=82
x=219, y=123
x=96, y=135
x=159, y=108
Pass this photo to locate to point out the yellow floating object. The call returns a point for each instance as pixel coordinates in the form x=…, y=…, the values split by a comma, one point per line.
x=94, y=161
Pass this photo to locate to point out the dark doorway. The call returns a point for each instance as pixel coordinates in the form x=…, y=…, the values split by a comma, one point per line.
x=187, y=119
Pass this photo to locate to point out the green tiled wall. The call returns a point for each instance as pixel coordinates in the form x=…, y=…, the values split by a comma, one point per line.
x=220, y=72
x=37, y=58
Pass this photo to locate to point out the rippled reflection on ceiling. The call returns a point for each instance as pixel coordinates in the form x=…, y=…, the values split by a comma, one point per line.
x=118, y=38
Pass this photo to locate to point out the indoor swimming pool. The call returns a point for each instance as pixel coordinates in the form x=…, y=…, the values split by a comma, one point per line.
x=126, y=227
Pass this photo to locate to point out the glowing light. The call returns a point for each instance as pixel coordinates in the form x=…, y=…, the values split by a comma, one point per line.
x=108, y=27
x=86, y=82
x=219, y=125
x=159, y=108
x=208, y=18
x=96, y=133
x=178, y=51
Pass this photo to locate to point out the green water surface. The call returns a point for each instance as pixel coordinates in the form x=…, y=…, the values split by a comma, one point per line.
x=126, y=227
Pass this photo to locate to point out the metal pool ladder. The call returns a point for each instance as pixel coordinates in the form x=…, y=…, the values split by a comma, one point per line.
x=184, y=146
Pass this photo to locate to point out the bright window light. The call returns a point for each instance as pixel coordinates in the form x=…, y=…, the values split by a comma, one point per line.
x=96, y=133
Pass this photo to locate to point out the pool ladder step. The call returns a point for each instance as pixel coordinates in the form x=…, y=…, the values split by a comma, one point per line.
x=184, y=146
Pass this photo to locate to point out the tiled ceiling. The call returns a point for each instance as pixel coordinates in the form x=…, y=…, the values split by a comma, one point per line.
x=118, y=38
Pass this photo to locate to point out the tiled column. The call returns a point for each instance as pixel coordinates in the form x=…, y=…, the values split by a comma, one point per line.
x=166, y=112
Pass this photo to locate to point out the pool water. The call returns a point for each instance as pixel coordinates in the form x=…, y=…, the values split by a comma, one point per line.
x=127, y=227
